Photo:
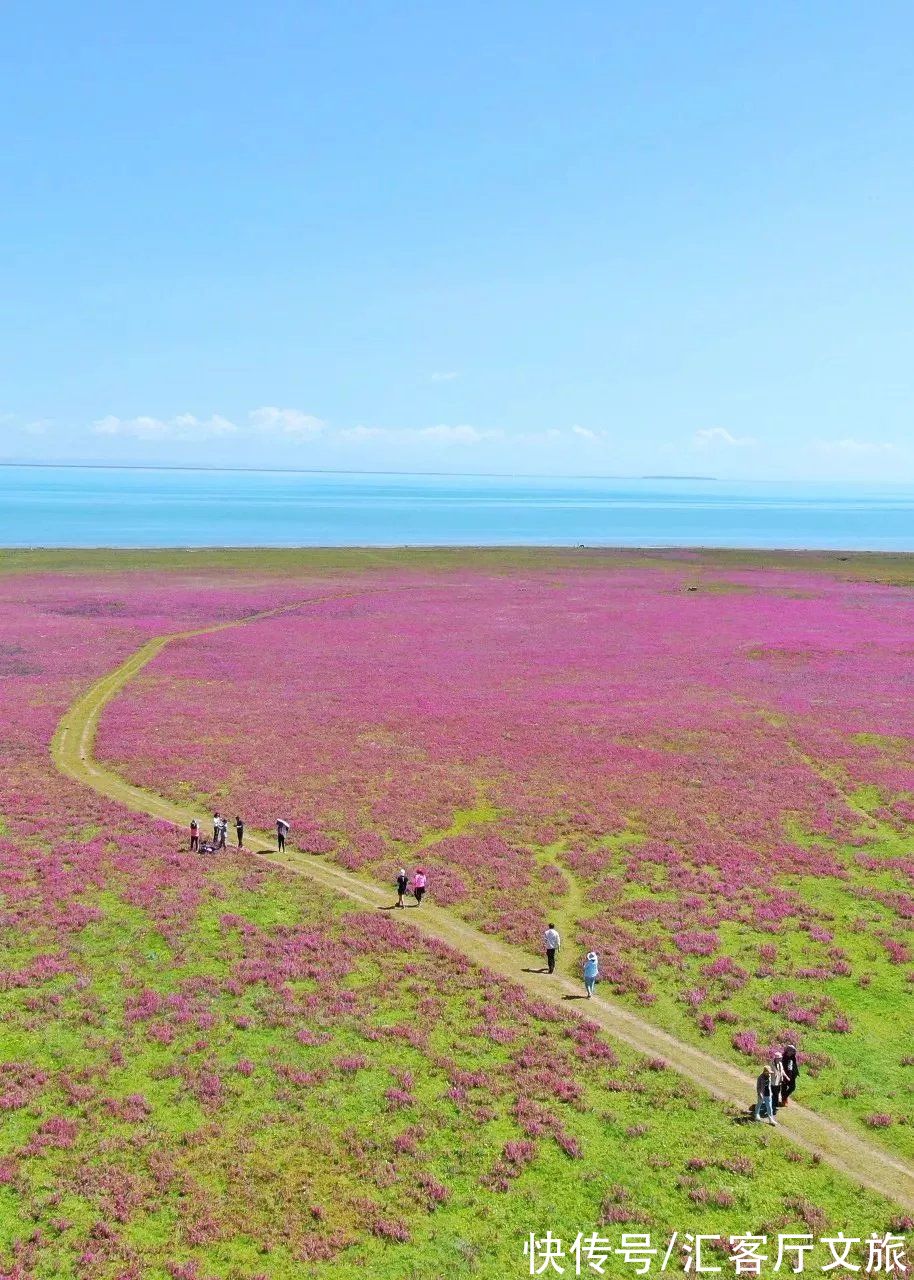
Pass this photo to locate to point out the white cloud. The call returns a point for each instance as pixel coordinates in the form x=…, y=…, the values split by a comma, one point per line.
x=290, y=423
x=215, y=425
x=362, y=433
x=848, y=447
x=462, y=434
x=295, y=426
x=534, y=437
x=443, y=432
x=286, y=422
x=143, y=428
x=183, y=427
x=444, y=376
x=37, y=428
x=709, y=436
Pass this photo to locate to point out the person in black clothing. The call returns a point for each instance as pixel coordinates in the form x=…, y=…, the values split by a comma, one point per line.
x=402, y=885
x=763, y=1103
x=239, y=830
x=282, y=830
x=791, y=1069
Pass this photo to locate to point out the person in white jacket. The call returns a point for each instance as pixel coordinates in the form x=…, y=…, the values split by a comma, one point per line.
x=777, y=1080
x=551, y=942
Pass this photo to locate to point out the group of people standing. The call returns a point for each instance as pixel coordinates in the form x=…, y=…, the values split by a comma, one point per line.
x=590, y=970
x=220, y=832
x=775, y=1084
x=420, y=884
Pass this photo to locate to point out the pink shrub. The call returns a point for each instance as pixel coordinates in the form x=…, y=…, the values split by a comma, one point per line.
x=878, y=1120
x=746, y=1042
x=660, y=775
x=688, y=745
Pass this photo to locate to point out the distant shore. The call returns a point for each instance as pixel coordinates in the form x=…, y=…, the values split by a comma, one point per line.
x=895, y=568
x=348, y=471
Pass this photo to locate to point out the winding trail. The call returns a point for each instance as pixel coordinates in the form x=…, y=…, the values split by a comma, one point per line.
x=72, y=750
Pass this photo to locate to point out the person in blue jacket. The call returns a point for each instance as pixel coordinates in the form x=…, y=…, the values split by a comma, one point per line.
x=591, y=972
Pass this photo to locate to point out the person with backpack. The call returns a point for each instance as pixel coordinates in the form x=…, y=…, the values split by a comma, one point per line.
x=282, y=830
x=402, y=886
x=194, y=835
x=552, y=940
x=419, y=883
x=591, y=972
x=790, y=1069
x=763, y=1103
x=239, y=831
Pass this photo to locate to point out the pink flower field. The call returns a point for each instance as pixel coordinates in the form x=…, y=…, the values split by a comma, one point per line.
x=211, y=1069
x=707, y=776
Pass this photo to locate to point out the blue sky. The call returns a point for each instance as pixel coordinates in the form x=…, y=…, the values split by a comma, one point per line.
x=566, y=238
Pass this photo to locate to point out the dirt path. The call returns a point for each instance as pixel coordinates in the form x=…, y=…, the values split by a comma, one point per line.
x=72, y=750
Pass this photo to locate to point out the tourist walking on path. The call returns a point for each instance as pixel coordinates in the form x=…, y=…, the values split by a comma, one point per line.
x=591, y=972
x=419, y=883
x=777, y=1079
x=282, y=830
x=763, y=1103
x=402, y=885
x=552, y=940
x=239, y=831
x=790, y=1069
x=194, y=835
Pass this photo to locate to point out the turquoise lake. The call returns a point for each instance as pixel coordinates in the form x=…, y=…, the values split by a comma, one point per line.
x=111, y=507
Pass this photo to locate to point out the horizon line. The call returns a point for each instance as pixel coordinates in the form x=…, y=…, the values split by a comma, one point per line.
x=340, y=471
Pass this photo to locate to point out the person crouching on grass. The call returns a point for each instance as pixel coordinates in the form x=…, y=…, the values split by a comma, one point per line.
x=763, y=1103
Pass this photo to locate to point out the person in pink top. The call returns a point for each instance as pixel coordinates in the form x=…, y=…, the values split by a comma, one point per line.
x=419, y=883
